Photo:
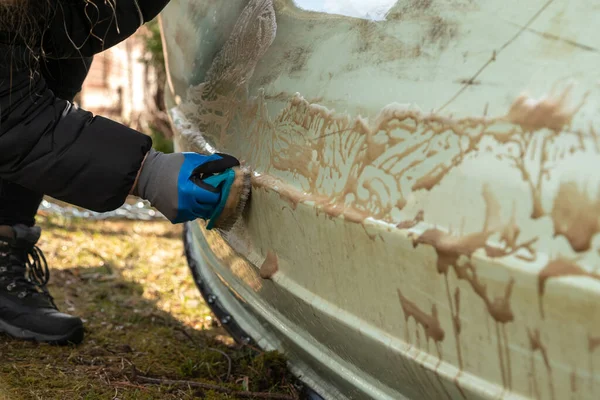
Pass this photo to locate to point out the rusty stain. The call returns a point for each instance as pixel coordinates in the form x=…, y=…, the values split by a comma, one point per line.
x=575, y=216
x=296, y=57
x=430, y=323
x=471, y=82
x=441, y=32
x=557, y=268
x=535, y=344
x=573, y=380
x=449, y=250
x=507, y=356
x=411, y=223
x=593, y=343
x=367, y=30
x=456, y=324
x=270, y=266
x=509, y=236
x=504, y=355
x=374, y=42
x=304, y=130
x=503, y=371
x=551, y=112
x=456, y=316
x=533, y=376
x=419, y=4
x=457, y=384
x=291, y=201
x=294, y=197
x=280, y=96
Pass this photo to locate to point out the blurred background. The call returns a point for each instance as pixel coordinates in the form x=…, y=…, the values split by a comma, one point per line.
x=126, y=83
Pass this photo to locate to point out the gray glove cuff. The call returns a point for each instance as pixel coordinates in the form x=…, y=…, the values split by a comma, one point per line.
x=157, y=182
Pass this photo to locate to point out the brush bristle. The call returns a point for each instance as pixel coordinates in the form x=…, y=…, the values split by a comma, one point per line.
x=238, y=196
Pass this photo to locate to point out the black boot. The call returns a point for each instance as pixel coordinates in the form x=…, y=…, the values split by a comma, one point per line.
x=27, y=310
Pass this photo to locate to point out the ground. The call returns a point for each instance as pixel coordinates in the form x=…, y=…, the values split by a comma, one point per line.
x=146, y=324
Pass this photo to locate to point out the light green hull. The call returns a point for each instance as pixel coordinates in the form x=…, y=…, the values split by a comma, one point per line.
x=425, y=202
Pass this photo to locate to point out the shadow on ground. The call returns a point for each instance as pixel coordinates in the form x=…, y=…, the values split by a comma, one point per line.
x=143, y=317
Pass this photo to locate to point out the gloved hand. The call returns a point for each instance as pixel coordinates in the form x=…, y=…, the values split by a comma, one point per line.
x=172, y=183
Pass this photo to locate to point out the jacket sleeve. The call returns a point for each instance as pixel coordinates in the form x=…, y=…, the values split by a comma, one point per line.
x=84, y=28
x=48, y=145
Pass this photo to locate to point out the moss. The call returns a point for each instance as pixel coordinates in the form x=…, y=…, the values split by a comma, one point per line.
x=131, y=285
x=160, y=142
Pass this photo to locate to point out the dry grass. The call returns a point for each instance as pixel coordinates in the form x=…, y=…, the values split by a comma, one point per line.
x=130, y=283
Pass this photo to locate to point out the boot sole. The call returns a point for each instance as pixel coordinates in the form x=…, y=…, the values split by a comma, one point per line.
x=74, y=336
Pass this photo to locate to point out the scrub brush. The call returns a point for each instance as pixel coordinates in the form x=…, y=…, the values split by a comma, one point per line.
x=235, y=185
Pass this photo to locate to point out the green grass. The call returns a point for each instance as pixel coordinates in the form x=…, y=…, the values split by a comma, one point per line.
x=144, y=317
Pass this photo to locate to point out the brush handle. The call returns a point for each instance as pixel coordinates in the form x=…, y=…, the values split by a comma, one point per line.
x=220, y=163
x=210, y=175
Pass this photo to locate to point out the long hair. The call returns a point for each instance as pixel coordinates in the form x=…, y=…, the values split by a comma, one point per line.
x=22, y=25
x=19, y=20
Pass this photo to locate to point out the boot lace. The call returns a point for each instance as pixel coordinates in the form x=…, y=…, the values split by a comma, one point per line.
x=26, y=271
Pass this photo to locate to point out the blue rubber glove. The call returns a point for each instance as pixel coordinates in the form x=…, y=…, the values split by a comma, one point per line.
x=178, y=184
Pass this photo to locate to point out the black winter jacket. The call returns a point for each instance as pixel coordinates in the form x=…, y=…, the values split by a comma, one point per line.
x=47, y=144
